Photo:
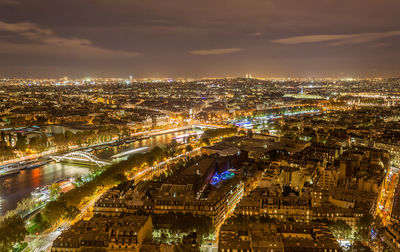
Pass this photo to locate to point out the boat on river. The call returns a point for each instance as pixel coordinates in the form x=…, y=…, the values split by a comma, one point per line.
x=44, y=191
x=10, y=172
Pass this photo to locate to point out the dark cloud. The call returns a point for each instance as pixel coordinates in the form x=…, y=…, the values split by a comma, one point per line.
x=264, y=37
x=43, y=41
x=9, y=2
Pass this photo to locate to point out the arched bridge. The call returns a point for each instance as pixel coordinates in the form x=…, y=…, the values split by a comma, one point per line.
x=80, y=156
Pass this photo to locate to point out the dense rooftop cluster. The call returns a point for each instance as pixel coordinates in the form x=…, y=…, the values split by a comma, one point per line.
x=310, y=164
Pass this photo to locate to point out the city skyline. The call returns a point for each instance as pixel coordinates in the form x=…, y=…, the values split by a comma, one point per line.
x=177, y=39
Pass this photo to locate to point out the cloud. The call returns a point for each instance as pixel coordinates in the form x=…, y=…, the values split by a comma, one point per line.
x=339, y=39
x=256, y=34
x=379, y=44
x=215, y=51
x=9, y=2
x=36, y=38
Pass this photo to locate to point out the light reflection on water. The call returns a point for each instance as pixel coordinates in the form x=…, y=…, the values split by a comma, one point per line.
x=17, y=187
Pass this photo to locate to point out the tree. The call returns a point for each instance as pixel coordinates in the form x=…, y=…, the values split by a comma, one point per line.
x=125, y=131
x=54, y=210
x=69, y=135
x=205, y=141
x=222, y=132
x=171, y=148
x=6, y=151
x=189, y=148
x=21, y=142
x=120, y=177
x=179, y=223
x=190, y=138
x=35, y=143
x=59, y=139
x=173, y=144
x=12, y=231
x=25, y=206
x=340, y=229
x=71, y=212
x=163, y=237
x=38, y=218
x=43, y=142
x=54, y=191
x=155, y=154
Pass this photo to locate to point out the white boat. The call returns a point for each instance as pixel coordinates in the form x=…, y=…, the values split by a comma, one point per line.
x=40, y=191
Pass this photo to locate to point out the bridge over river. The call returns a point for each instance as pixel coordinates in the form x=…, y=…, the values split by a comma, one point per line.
x=80, y=156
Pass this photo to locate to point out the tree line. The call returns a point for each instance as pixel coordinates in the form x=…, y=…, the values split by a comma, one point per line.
x=12, y=231
x=173, y=224
x=42, y=142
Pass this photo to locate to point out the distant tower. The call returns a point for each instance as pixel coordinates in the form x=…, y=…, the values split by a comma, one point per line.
x=130, y=80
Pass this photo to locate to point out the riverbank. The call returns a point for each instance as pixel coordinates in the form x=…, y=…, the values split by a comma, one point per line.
x=18, y=186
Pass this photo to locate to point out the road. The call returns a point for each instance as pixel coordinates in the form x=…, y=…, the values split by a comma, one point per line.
x=44, y=241
x=385, y=197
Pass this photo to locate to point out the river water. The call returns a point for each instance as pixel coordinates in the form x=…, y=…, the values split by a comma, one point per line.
x=17, y=187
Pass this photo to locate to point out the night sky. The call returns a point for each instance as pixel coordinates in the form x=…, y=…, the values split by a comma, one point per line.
x=188, y=38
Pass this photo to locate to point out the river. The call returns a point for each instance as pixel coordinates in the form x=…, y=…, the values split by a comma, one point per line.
x=17, y=187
